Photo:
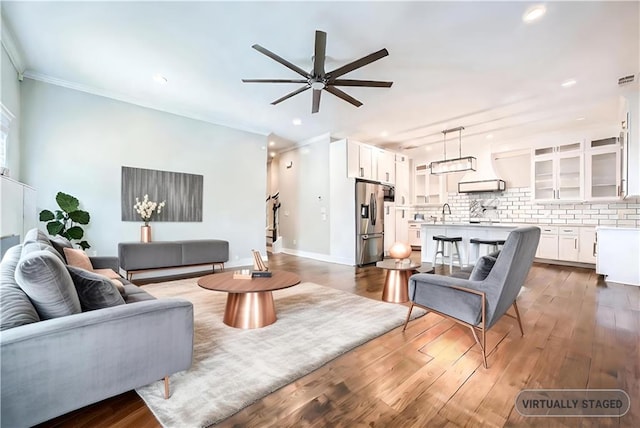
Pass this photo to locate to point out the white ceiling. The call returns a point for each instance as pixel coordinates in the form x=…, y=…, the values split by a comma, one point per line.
x=474, y=64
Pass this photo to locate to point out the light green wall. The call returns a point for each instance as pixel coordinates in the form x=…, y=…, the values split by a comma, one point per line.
x=77, y=143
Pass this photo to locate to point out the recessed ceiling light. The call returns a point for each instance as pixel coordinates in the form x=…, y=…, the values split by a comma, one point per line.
x=272, y=143
x=159, y=78
x=296, y=121
x=384, y=134
x=272, y=154
x=428, y=148
x=580, y=118
x=489, y=136
x=568, y=83
x=534, y=13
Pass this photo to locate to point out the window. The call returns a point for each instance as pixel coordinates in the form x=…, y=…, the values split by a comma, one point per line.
x=7, y=117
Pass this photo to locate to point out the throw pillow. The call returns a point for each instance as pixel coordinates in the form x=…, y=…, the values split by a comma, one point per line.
x=31, y=246
x=95, y=291
x=45, y=279
x=15, y=307
x=60, y=243
x=109, y=273
x=77, y=258
x=482, y=268
x=120, y=286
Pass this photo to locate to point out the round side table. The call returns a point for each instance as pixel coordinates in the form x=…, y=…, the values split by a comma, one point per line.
x=396, y=283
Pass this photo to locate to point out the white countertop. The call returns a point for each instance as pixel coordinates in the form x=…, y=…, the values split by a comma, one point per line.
x=630, y=229
x=498, y=225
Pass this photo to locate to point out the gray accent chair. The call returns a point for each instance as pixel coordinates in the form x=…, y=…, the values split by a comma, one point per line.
x=479, y=304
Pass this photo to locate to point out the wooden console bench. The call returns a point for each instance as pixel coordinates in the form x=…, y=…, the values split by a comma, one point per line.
x=136, y=257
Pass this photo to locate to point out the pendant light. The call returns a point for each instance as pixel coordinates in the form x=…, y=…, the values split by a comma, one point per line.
x=459, y=164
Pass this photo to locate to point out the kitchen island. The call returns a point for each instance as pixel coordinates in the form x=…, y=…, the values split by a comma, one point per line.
x=465, y=230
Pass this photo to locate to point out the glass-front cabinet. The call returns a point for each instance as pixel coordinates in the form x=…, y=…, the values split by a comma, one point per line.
x=558, y=173
x=603, y=169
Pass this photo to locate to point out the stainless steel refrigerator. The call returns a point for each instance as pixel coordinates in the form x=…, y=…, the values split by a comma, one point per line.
x=369, y=222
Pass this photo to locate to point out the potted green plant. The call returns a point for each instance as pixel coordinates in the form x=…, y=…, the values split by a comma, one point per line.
x=65, y=221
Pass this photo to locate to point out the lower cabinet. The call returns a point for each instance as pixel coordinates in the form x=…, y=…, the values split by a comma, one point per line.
x=548, y=245
x=414, y=234
x=567, y=243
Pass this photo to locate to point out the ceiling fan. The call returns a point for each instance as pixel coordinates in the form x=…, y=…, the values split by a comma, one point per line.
x=317, y=79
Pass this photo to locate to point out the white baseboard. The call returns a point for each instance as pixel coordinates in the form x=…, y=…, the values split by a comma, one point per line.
x=319, y=256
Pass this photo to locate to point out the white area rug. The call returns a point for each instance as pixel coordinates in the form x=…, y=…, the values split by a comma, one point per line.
x=233, y=368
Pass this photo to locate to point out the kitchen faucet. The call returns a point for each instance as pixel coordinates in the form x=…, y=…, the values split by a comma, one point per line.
x=443, y=213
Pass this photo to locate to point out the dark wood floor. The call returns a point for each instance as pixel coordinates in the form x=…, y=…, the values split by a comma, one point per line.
x=579, y=333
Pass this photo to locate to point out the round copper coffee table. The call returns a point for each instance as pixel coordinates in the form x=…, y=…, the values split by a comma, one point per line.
x=249, y=301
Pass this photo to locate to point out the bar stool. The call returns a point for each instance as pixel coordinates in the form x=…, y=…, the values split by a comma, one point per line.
x=476, y=242
x=453, y=246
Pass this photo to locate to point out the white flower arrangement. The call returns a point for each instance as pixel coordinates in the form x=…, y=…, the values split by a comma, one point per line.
x=147, y=208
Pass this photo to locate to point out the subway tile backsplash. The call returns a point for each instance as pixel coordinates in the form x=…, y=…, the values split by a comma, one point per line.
x=514, y=205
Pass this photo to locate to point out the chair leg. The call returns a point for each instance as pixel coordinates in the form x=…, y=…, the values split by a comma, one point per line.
x=166, y=387
x=515, y=306
x=408, y=316
x=481, y=345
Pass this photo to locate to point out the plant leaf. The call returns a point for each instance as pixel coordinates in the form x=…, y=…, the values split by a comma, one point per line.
x=54, y=228
x=66, y=202
x=59, y=215
x=84, y=245
x=79, y=216
x=46, y=215
x=75, y=232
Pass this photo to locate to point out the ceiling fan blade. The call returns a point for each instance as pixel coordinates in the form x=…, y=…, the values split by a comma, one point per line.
x=369, y=83
x=319, y=53
x=338, y=93
x=281, y=60
x=290, y=94
x=357, y=64
x=316, y=100
x=274, y=81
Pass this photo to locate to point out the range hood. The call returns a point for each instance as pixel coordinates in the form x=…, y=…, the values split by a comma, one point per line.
x=483, y=179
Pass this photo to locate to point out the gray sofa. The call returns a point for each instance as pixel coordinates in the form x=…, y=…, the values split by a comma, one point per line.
x=53, y=366
x=139, y=256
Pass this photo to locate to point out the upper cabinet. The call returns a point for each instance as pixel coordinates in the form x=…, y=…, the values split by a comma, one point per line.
x=558, y=173
x=370, y=163
x=403, y=181
x=428, y=189
x=603, y=169
x=386, y=165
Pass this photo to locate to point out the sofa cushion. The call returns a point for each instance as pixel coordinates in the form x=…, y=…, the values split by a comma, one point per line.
x=482, y=268
x=32, y=246
x=94, y=291
x=36, y=235
x=78, y=258
x=60, y=243
x=45, y=279
x=15, y=307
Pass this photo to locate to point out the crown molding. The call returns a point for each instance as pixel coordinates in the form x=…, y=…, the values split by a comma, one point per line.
x=41, y=77
x=10, y=45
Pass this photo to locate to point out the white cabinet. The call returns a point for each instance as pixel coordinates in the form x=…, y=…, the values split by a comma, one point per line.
x=558, y=173
x=428, y=189
x=548, y=245
x=568, y=238
x=370, y=163
x=360, y=160
x=414, y=234
x=567, y=243
x=403, y=181
x=587, y=245
x=617, y=255
x=389, y=226
x=603, y=169
x=630, y=136
x=385, y=166
x=402, y=225
x=18, y=208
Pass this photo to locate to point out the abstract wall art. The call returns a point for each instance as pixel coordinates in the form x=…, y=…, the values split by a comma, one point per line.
x=182, y=192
